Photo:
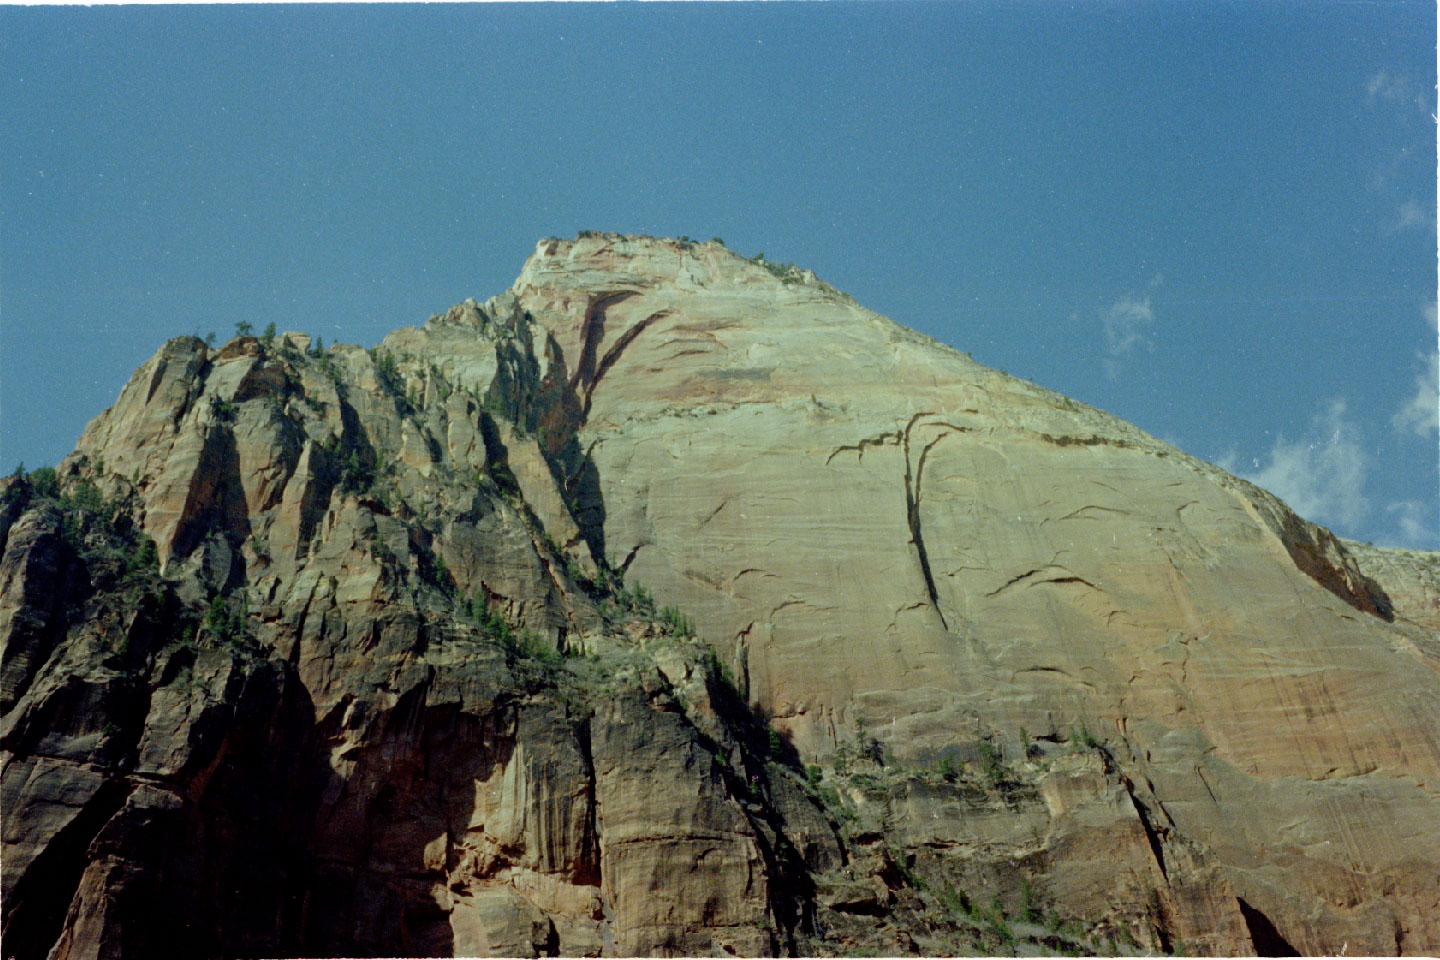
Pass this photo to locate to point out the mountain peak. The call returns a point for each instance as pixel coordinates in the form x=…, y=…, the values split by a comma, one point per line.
x=596, y=260
x=673, y=603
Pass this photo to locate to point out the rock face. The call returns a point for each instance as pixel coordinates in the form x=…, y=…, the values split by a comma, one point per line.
x=332, y=652
x=879, y=529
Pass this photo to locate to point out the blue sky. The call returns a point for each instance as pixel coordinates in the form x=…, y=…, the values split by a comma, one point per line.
x=1216, y=220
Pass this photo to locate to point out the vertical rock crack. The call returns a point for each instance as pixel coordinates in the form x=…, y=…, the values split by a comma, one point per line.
x=912, y=517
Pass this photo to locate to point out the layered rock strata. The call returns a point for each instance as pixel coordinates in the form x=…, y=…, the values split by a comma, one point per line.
x=336, y=652
x=367, y=709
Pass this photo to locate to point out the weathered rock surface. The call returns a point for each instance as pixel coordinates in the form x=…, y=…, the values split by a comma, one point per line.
x=1411, y=580
x=881, y=529
x=377, y=688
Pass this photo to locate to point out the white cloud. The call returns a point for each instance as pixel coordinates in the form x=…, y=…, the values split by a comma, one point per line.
x=1409, y=216
x=1126, y=326
x=1377, y=84
x=1322, y=475
x=1412, y=528
x=1421, y=413
x=1382, y=86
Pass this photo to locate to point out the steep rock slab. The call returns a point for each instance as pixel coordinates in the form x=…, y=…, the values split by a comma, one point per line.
x=878, y=528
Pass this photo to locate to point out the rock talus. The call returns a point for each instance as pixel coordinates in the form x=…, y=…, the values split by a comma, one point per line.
x=671, y=603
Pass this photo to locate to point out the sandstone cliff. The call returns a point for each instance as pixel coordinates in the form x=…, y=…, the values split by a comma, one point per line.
x=336, y=652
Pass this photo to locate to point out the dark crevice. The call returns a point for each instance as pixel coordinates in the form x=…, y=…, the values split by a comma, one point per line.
x=630, y=557
x=592, y=332
x=35, y=910
x=912, y=520
x=1268, y=941
x=1012, y=581
x=586, y=501
x=613, y=354
x=791, y=893
x=216, y=498
x=1317, y=554
x=859, y=448
x=588, y=871
x=575, y=472
x=920, y=467
x=913, y=517
x=1072, y=579
x=1152, y=834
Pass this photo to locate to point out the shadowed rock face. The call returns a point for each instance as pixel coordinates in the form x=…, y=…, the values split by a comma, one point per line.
x=1015, y=670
